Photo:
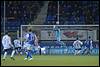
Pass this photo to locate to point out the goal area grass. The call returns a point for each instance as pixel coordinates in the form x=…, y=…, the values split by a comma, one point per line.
x=52, y=60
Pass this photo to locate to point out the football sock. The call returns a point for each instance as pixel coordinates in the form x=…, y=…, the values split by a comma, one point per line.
x=13, y=52
x=5, y=54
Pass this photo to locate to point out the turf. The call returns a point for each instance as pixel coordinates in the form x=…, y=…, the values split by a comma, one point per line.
x=53, y=60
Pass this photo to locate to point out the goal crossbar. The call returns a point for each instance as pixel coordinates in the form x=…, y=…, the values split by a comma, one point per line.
x=56, y=25
x=60, y=25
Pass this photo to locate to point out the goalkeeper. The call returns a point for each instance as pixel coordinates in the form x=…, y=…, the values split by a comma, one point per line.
x=57, y=33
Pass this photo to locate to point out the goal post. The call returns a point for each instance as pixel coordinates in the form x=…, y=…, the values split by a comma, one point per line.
x=68, y=32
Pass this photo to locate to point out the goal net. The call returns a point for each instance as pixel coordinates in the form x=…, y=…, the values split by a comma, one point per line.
x=68, y=32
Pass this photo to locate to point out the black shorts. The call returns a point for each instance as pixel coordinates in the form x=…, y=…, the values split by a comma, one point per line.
x=17, y=48
x=9, y=49
x=78, y=49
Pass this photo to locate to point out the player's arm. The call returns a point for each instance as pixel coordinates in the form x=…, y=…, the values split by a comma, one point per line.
x=10, y=43
x=3, y=40
x=91, y=45
x=54, y=27
x=74, y=43
x=36, y=40
x=81, y=43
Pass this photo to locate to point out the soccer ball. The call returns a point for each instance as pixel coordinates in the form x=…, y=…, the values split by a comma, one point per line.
x=57, y=22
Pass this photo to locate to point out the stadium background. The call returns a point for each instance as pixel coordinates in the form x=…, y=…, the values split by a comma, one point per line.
x=45, y=13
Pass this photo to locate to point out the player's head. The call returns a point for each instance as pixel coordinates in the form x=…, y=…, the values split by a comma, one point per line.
x=6, y=33
x=30, y=30
x=77, y=38
x=89, y=37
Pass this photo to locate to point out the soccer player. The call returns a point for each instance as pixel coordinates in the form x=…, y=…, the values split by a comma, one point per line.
x=88, y=46
x=31, y=41
x=7, y=46
x=18, y=46
x=57, y=33
x=77, y=45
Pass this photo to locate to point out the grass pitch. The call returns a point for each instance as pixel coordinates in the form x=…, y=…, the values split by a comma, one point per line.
x=52, y=60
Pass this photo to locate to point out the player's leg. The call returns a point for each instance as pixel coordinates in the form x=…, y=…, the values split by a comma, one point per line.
x=19, y=51
x=78, y=52
x=5, y=54
x=58, y=41
x=16, y=50
x=26, y=52
x=88, y=51
x=12, y=54
x=84, y=51
x=26, y=48
x=26, y=55
x=75, y=52
x=30, y=54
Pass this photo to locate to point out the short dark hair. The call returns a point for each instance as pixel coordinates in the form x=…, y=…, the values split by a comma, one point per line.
x=89, y=37
x=77, y=37
x=30, y=30
x=6, y=32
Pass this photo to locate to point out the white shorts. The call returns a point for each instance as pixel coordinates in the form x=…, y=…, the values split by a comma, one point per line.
x=28, y=46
